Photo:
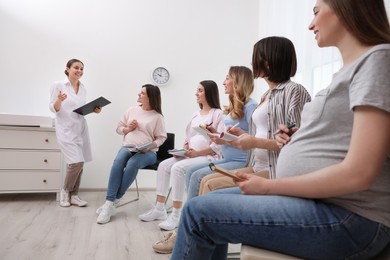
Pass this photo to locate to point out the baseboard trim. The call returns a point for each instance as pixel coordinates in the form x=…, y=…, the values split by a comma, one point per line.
x=105, y=189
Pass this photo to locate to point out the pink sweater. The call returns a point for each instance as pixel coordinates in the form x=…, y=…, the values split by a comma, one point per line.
x=151, y=127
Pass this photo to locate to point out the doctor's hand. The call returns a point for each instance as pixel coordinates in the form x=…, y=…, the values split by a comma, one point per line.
x=97, y=110
x=62, y=96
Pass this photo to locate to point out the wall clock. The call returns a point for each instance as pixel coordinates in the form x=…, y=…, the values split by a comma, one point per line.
x=160, y=76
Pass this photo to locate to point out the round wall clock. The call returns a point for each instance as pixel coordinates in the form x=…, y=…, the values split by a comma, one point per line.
x=160, y=76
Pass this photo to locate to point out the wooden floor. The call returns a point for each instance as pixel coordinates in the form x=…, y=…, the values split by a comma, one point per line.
x=33, y=226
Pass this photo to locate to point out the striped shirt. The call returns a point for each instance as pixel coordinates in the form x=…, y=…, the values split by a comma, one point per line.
x=284, y=106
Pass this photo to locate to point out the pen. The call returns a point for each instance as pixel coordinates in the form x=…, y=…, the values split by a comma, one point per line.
x=236, y=124
x=289, y=127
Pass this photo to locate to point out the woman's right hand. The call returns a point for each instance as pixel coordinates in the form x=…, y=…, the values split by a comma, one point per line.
x=61, y=96
x=210, y=128
x=235, y=131
x=284, y=135
x=133, y=125
x=244, y=142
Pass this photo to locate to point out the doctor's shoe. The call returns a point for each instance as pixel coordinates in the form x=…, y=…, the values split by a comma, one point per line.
x=75, y=200
x=108, y=210
x=154, y=214
x=64, y=198
x=165, y=245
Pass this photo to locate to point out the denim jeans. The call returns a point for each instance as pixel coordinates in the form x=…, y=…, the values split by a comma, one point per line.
x=124, y=170
x=196, y=173
x=306, y=228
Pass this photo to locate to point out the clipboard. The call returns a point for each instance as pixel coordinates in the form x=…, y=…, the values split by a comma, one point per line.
x=138, y=148
x=216, y=168
x=178, y=152
x=89, y=107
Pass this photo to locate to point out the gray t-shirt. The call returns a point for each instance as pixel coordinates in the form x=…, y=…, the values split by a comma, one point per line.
x=326, y=129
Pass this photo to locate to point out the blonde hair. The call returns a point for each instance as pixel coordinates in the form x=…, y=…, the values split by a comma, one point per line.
x=243, y=85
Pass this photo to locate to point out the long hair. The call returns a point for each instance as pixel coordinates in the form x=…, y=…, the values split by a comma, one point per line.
x=70, y=63
x=274, y=57
x=243, y=85
x=211, y=93
x=154, y=96
x=365, y=19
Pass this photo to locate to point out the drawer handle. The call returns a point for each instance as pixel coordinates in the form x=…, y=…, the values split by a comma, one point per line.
x=45, y=160
x=46, y=140
x=44, y=181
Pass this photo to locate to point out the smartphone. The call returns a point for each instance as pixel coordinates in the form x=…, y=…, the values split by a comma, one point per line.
x=213, y=167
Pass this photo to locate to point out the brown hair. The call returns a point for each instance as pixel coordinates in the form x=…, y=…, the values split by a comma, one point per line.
x=211, y=93
x=365, y=19
x=274, y=57
x=70, y=63
x=154, y=96
x=243, y=85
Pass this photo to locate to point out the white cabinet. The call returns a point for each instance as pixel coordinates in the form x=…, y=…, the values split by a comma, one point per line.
x=30, y=160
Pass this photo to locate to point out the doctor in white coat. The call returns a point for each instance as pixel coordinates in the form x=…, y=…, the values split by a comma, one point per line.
x=71, y=130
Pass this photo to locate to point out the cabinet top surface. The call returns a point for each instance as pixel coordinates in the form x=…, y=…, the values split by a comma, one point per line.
x=27, y=128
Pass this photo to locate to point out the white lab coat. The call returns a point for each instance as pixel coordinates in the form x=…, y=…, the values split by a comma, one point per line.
x=71, y=128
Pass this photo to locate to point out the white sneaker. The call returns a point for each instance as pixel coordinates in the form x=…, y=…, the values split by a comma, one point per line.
x=75, y=200
x=64, y=198
x=117, y=202
x=108, y=210
x=154, y=214
x=171, y=223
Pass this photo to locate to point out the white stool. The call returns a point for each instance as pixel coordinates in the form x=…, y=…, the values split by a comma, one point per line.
x=255, y=253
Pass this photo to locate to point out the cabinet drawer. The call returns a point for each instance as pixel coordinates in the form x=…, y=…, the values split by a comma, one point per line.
x=29, y=159
x=28, y=139
x=29, y=180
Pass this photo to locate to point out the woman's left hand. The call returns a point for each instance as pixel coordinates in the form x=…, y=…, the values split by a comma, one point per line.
x=144, y=150
x=215, y=139
x=252, y=185
x=97, y=110
x=191, y=153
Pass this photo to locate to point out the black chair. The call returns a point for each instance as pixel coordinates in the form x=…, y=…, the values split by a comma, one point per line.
x=162, y=154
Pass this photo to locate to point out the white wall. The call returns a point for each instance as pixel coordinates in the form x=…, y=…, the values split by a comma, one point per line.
x=120, y=42
x=291, y=19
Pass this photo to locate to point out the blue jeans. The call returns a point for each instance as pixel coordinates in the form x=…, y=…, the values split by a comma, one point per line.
x=306, y=228
x=197, y=172
x=124, y=170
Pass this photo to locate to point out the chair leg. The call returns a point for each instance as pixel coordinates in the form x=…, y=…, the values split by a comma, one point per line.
x=132, y=200
x=166, y=200
x=169, y=193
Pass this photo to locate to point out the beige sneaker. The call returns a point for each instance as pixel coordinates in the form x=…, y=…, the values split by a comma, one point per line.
x=165, y=245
